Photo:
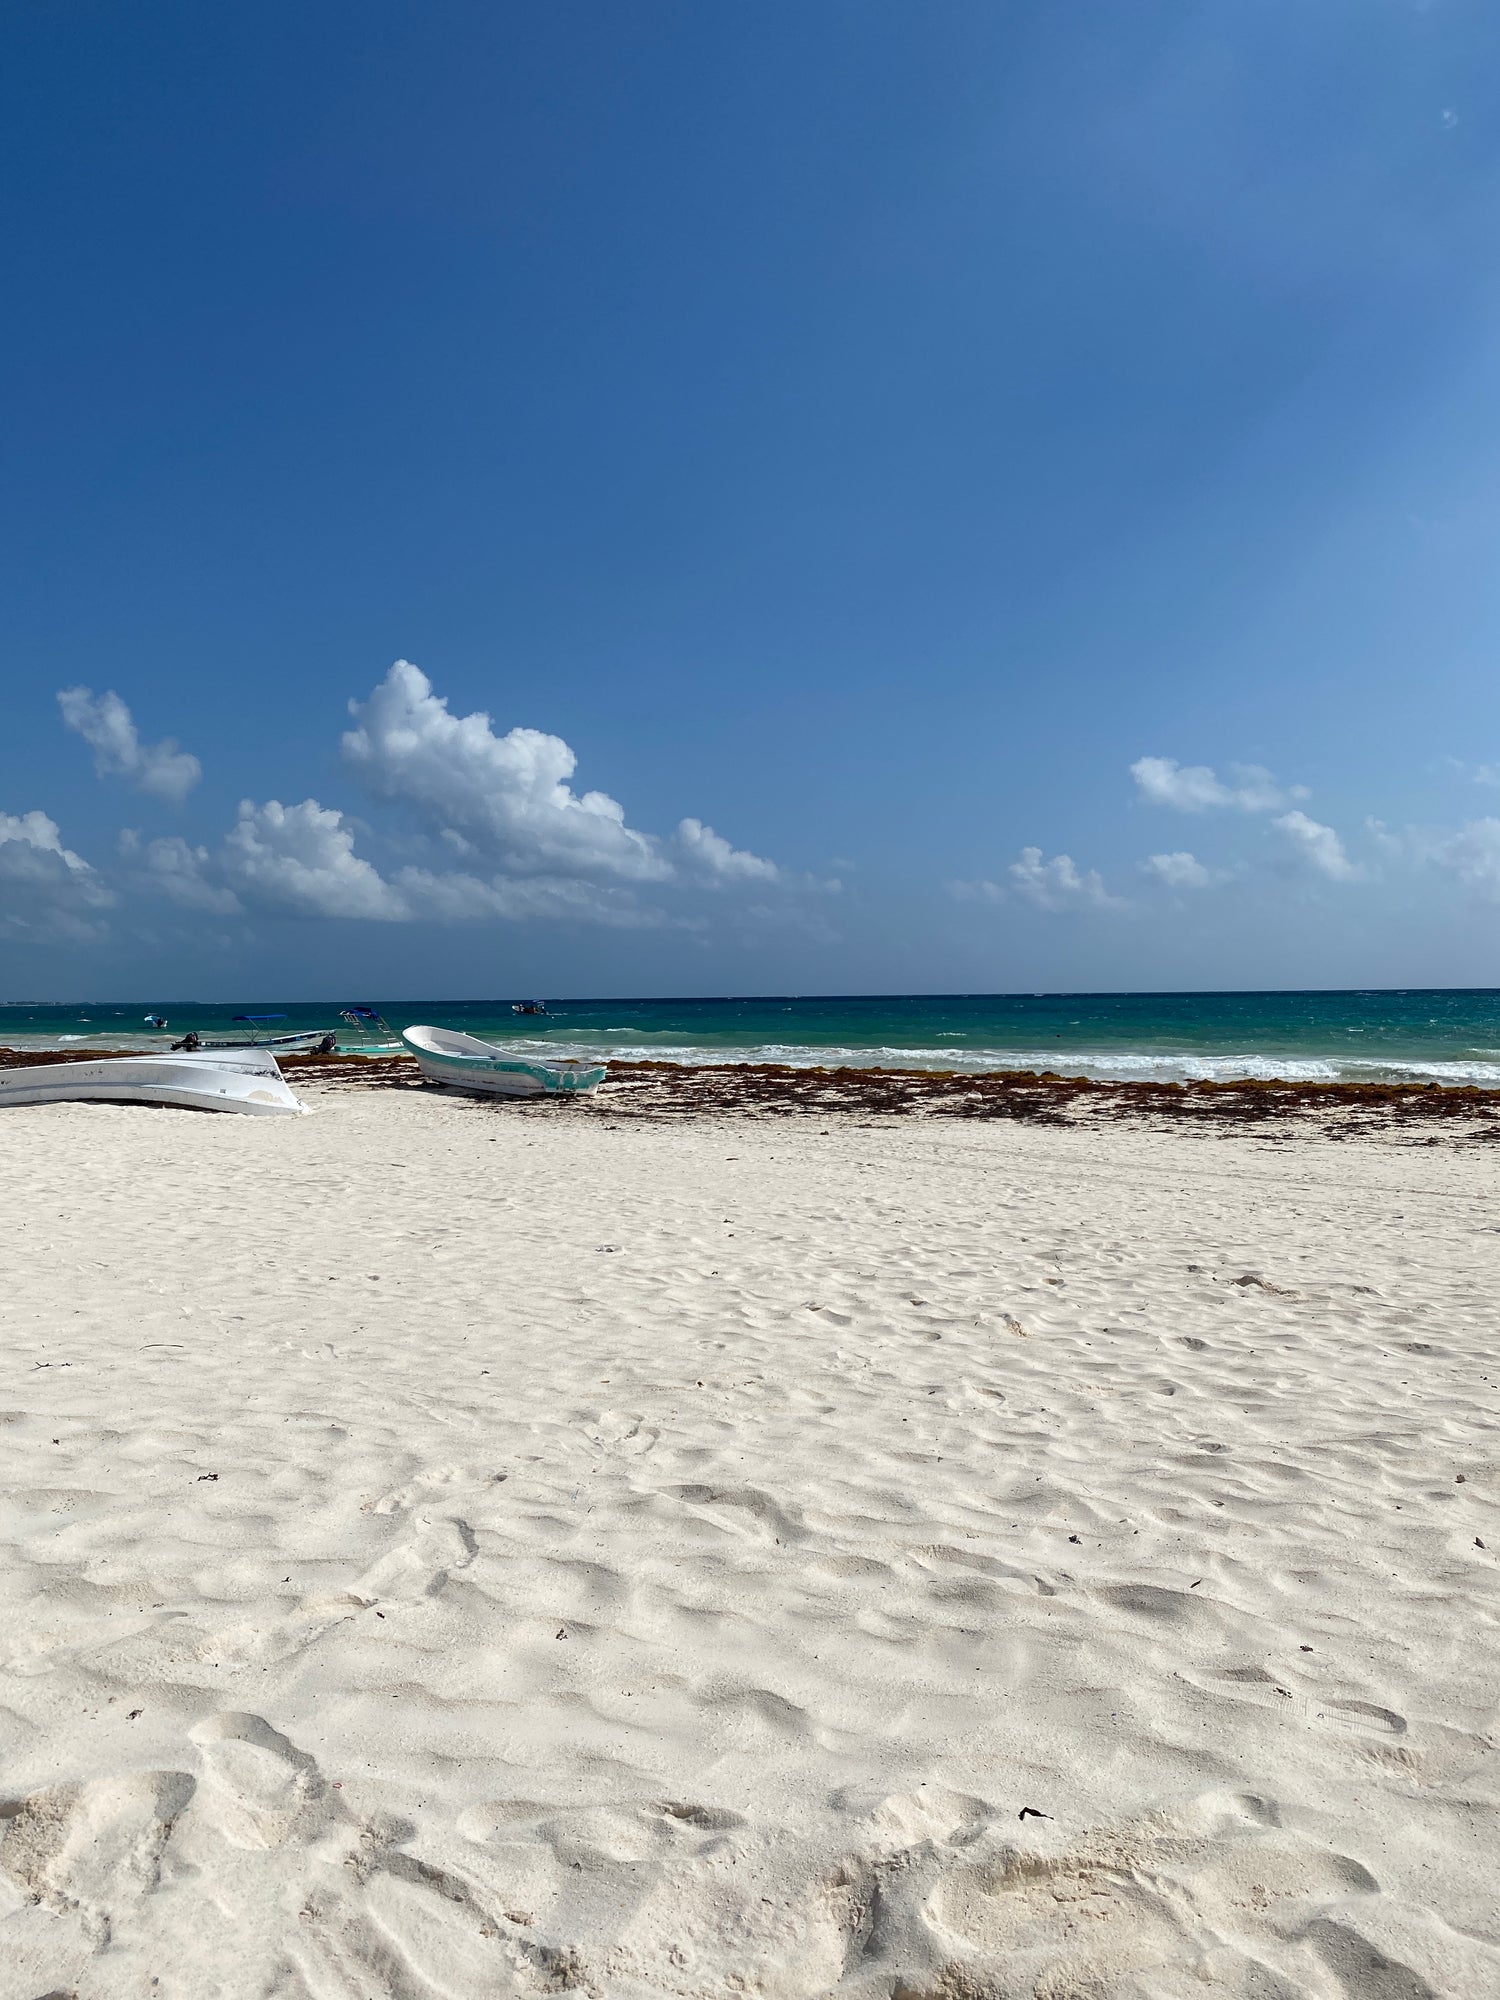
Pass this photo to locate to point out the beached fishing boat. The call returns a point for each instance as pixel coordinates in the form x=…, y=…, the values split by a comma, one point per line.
x=248, y=1080
x=465, y=1062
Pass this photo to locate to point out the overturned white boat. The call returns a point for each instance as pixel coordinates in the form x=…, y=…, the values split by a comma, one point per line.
x=445, y=1056
x=217, y=1080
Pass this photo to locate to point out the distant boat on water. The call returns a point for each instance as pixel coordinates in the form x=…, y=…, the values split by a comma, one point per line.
x=528, y=1007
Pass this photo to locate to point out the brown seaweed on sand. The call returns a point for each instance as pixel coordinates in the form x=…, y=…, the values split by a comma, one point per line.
x=1417, y=1112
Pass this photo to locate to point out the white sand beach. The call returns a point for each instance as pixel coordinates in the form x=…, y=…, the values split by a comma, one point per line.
x=459, y=1551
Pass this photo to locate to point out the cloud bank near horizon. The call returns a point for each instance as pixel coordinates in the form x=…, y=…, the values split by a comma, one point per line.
x=480, y=826
x=46, y=890
x=469, y=823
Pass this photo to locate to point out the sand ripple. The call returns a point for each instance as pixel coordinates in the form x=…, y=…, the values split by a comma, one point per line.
x=451, y=1554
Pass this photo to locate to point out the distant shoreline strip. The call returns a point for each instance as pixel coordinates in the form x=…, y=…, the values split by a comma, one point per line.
x=666, y=1090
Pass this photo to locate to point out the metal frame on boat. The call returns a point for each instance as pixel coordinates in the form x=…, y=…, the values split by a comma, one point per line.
x=373, y=1032
x=463, y=1061
x=246, y=1080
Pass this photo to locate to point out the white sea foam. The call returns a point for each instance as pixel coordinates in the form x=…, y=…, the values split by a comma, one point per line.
x=1103, y=1065
x=1481, y=1067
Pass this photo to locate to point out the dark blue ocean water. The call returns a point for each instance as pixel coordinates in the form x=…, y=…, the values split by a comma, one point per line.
x=1450, y=1035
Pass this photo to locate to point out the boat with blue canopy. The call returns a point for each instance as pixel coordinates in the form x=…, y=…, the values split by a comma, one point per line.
x=372, y=1031
x=259, y=1036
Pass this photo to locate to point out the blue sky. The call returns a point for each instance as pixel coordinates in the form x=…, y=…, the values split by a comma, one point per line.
x=968, y=498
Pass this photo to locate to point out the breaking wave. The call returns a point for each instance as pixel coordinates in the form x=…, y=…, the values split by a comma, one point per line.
x=1106, y=1065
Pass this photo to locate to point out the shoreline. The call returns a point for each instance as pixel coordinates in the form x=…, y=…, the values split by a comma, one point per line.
x=1423, y=1112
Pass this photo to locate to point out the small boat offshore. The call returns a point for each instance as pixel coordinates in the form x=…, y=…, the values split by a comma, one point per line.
x=465, y=1062
x=246, y=1080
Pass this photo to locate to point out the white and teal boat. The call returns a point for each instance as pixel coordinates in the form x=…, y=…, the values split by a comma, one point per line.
x=465, y=1062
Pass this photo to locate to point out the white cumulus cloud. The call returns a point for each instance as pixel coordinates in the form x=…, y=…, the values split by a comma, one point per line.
x=520, y=843
x=509, y=797
x=301, y=861
x=457, y=898
x=106, y=725
x=1472, y=856
x=301, y=858
x=976, y=892
x=1319, y=845
x=30, y=834
x=1058, y=884
x=1178, y=871
x=1197, y=788
x=187, y=874
x=712, y=853
x=46, y=890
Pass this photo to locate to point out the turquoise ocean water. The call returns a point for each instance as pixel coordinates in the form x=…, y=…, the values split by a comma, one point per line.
x=1447, y=1036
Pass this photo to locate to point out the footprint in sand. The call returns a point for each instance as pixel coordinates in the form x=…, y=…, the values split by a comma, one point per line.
x=746, y=1509
x=93, y=1848
x=413, y=1927
x=989, y=1566
x=421, y=1562
x=259, y=1790
x=418, y=1565
x=1254, y=1684
x=424, y=1487
x=1206, y=1894
x=1163, y=1607
x=259, y=1642
x=930, y=1816
x=789, y=1941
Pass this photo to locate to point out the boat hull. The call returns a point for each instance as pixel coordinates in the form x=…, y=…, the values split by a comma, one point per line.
x=463, y=1062
x=249, y=1082
x=286, y=1045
